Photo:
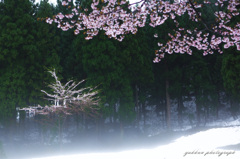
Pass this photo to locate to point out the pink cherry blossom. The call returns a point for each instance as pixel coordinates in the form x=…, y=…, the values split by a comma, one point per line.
x=116, y=21
x=64, y=3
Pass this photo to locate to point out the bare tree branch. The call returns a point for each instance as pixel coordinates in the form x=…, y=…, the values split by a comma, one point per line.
x=77, y=99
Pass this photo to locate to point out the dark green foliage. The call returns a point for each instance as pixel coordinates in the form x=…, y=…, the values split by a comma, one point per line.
x=123, y=71
x=231, y=72
x=17, y=48
x=105, y=66
x=27, y=49
x=231, y=77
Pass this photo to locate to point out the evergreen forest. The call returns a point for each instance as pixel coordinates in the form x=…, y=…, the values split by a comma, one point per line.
x=132, y=88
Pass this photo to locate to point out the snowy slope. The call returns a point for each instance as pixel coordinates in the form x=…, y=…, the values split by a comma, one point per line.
x=202, y=145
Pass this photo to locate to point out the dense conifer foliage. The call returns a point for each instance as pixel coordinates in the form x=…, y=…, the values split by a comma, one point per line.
x=130, y=83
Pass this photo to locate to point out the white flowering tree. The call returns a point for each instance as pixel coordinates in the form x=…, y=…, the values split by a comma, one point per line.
x=67, y=92
x=66, y=95
x=67, y=98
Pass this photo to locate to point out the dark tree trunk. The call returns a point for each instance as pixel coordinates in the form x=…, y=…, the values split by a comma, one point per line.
x=198, y=112
x=233, y=107
x=137, y=106
x=180, y=109
x=144, y=113
x=218, y=104
x=168, y=105
x=115, y=113
x=99, y=126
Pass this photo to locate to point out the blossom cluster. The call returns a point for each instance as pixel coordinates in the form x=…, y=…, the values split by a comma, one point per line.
x=118, y=17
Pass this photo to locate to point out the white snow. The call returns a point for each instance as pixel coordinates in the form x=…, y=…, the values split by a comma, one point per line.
x=202, y=145
x=229, y=122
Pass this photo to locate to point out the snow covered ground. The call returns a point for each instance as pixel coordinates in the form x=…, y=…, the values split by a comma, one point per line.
x=213, y=139
x=209, y=144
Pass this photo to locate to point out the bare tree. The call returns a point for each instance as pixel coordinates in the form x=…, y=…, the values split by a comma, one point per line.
x=67, y=98
x=68, y=92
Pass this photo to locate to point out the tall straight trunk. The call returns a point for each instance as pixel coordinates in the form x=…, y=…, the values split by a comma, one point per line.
x=168, y=105
x=218, y=103
x=206, y=112
x=137, y=105
x=77, y=121
x=85, y=122
x=197, y=110
x=217, y=110
x=233, y=107
x=180, y=109
x=198, y=114
x=144, y=113
x=115, y=113
x=99, y=127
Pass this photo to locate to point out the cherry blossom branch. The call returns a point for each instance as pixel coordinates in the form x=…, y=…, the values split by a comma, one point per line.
x=116, y=20
x=199, y=16
x=137, y=2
